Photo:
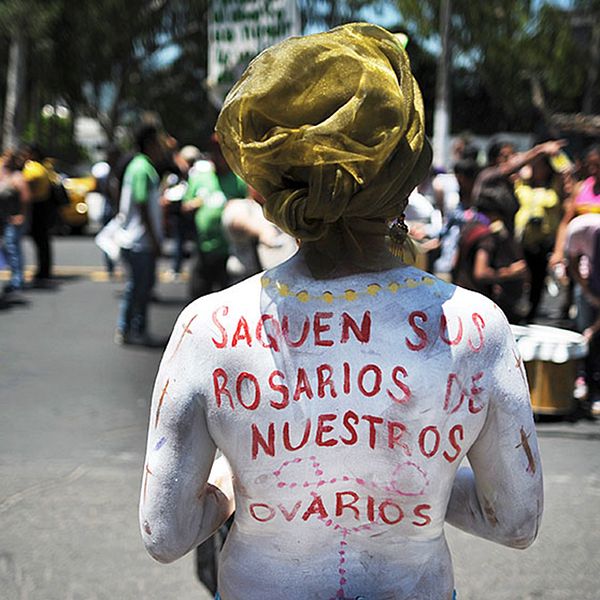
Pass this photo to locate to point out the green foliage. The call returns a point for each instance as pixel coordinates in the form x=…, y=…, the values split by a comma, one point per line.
x=34, y=16
x=106, y=58
x=503, y=50
x=55, y=137
x=325, y=14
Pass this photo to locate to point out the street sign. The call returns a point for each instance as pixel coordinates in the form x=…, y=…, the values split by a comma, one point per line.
x=238, y=30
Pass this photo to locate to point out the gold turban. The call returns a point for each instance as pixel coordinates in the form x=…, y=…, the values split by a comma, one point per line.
x=329, y=129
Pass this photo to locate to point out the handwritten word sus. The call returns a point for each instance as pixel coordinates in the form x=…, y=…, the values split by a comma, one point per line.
x=452, y=333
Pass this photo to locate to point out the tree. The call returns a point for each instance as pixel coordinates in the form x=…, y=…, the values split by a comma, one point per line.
x=21, y=23
x=105, y=48
x=326, y=14
x=517, y=56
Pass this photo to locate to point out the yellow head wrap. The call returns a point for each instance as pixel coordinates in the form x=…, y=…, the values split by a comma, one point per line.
x=329, y=128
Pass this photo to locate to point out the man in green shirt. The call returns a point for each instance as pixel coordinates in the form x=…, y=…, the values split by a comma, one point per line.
x=205, y=196
x=142, y=225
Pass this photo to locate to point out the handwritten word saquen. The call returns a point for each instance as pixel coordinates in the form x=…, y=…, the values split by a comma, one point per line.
x=322, y=329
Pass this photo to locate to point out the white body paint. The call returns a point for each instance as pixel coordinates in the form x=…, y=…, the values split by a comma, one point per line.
x=387, y=483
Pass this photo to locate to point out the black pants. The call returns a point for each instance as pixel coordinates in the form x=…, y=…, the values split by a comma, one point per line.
x=42, y=216
x=537, y=262
x=209, y=274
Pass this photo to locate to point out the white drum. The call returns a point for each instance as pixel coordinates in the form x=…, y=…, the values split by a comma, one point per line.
x=550, y=355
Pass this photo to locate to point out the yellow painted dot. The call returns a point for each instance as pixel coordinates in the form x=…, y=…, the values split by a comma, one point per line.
x=265, y=282
x=428, y=280
x=350, y=295
x=283, y=289
x=394, y=287
x=303, y=296
x=328, y=297
x=412, y=283
x=373, y=289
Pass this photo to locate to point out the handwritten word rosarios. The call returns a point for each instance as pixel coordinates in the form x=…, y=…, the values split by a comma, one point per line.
x=322, y=381
x=322, y=329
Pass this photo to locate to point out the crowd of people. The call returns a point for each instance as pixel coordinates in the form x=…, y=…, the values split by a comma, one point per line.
x=509, y=228
x=30, y=198
x=504, y=226
x=162, y=190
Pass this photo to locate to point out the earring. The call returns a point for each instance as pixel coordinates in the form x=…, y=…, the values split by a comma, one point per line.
x=398, y=231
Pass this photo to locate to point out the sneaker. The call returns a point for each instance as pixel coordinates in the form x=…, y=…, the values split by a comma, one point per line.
x=580, y=391
x=172, y=276
x=13, y=295
x=595, y=408
x=119, y=338
x=138, y=339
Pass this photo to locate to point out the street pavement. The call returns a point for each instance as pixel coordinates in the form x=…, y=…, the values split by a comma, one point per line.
x=72, y=435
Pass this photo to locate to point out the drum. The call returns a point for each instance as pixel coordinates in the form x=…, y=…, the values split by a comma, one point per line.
x=550, y=356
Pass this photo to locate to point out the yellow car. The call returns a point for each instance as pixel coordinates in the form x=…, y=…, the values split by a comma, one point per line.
x=74, y=214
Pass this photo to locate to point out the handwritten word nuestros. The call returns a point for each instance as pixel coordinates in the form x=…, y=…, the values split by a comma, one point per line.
x=329, y=429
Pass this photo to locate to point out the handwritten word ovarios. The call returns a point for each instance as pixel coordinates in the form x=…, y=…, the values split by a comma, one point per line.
x=347, y=503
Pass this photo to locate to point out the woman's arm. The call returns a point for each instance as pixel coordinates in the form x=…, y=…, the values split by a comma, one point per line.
x=518, y=160
x=179, y=509
x=558, y=254
x=24, y=199
x=484, y=273
x=500, y=497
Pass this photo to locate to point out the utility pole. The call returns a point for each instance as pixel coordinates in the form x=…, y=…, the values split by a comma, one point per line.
x=441, y=115
x=15, y=88
x=591, y=89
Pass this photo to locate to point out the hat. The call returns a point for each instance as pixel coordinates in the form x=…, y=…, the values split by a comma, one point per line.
x=190, y=154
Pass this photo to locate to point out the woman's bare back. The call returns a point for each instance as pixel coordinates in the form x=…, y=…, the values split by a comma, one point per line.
x=345, y=408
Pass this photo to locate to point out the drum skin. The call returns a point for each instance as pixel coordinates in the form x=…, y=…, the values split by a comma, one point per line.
x=550, y=355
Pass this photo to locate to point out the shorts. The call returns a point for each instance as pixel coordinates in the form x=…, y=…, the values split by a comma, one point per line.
x=454, y=596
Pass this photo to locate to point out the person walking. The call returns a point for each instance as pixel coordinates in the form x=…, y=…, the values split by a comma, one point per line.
x=14, y=204
x=536, y=224
x=576, y=249
x=42, y=211
x=205, y=200
x=490, y=260
x=142, y=226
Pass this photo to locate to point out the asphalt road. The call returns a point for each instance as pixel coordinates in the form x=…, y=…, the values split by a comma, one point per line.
x=72, y=435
